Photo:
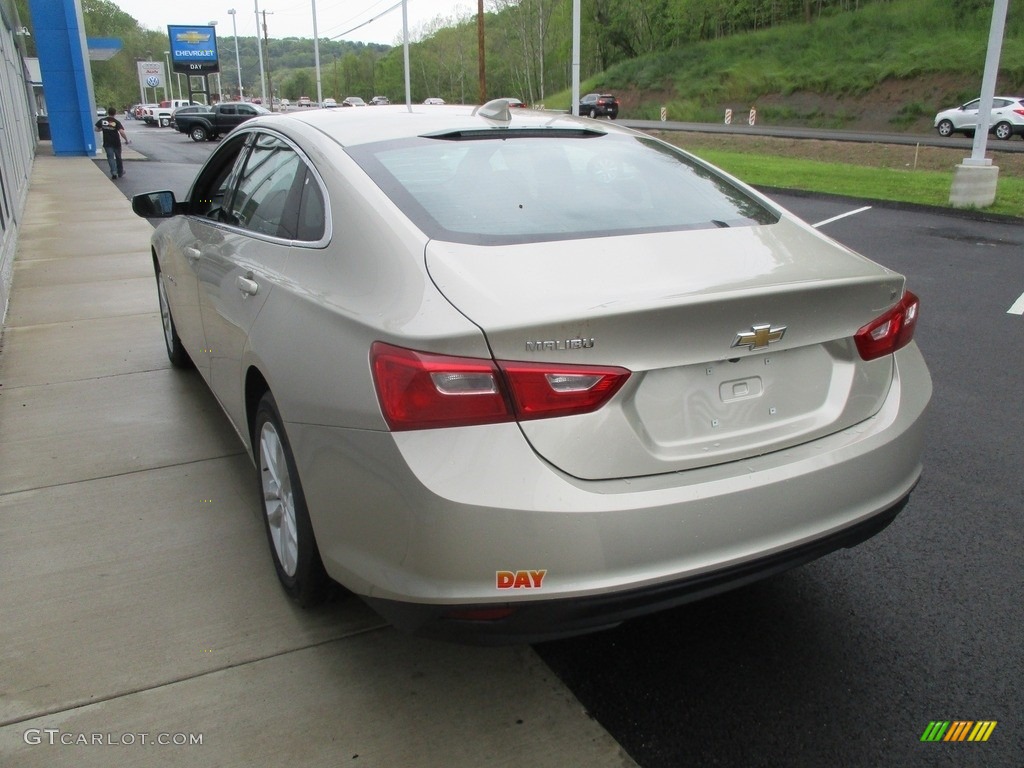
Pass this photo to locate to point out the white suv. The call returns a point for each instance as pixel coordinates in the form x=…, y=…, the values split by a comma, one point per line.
x=1007, y=118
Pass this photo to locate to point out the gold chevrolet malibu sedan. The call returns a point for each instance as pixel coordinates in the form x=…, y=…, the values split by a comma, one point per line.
x=513, y=375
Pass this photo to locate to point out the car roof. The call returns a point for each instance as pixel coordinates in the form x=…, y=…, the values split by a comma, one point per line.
x=398, y=121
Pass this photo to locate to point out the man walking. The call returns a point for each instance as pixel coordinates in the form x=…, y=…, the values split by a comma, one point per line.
x=113, y=132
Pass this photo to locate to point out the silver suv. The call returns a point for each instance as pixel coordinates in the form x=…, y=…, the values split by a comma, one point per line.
x=1006, y=121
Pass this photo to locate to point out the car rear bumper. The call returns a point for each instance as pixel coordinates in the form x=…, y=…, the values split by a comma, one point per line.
x=425, y=525
x=538, y=621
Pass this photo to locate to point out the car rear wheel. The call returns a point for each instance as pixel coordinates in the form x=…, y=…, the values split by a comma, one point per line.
x=164, y=122
x=289, y=530
x=1003, y=131
x=592, y=114
x=945, y=128
x=175, y=349
x=198, y=133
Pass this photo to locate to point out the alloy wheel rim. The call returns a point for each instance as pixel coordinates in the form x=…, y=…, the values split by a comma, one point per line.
x=278, y=499
x=165, y=313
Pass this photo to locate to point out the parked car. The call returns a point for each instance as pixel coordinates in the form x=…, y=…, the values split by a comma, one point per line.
x=329, y=103
x=515, y=103
x=220, y=119
x=434, y=101
x=379, y=101
x=510, y=375
x=160, y=114
x=1006, y=118
x=599, y=105
x=192, y=109
x=304, y=101
x=141, y=109
x=353, y=101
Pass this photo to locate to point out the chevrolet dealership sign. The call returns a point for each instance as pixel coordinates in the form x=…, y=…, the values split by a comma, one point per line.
x=193, y=49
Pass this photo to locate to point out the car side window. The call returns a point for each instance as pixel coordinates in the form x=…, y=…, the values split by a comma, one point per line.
x=259, y=182
x=312, y=211
x=269, y=189
x=211, y=192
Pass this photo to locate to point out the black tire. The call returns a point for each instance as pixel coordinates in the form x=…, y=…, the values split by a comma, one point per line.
x=285, y=517
x=175, y=349
x=945, y=128
x=592, y=114
x=198, y=133
x=1003, y=131
x=164, y=122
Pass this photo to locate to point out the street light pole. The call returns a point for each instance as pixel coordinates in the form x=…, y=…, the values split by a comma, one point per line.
x=238, y=64
x=219, y=92
x=316, y=58
x=259, y=47
x=167, y=61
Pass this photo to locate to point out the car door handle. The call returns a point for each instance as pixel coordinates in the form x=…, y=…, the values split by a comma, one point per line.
x=192, y=254
x=245, y=285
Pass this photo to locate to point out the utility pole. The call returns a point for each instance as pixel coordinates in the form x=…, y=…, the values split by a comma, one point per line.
x=266, y=40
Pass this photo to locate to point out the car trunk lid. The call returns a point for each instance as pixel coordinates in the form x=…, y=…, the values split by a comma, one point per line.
x=739, y=340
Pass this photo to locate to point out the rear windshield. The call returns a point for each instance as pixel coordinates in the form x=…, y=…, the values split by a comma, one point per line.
x=517, y=186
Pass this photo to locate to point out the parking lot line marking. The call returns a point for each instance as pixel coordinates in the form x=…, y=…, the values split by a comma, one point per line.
x=1018, y=307
x=841, y=216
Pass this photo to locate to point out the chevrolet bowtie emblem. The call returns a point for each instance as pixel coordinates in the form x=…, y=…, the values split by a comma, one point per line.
x=192, y=37
x=759, y=336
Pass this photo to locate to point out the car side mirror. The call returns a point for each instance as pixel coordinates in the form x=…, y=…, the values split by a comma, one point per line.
x=155, y=205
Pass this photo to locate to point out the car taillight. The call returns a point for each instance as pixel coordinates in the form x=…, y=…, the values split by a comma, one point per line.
x=1019, y=112
x=892, y=331
x=542, y=390
x=419, y=390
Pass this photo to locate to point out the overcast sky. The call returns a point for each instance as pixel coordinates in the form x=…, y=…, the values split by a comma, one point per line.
x=294, y=18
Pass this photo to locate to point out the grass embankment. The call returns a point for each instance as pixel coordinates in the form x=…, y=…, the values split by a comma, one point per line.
x=840, y=59
x=872, y=171
x=921, y=187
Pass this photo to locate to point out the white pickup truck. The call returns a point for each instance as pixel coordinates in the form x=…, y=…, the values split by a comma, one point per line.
x=160, y=114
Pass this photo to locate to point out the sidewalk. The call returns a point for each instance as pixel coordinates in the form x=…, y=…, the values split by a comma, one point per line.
x=139, y=602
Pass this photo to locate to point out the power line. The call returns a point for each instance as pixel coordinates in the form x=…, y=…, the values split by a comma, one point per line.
x=370, y=21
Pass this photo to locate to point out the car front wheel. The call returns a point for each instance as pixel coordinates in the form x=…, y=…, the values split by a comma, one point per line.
x=289, y=530
x=945, y=128
x=198, y=133
x=1003, y=131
